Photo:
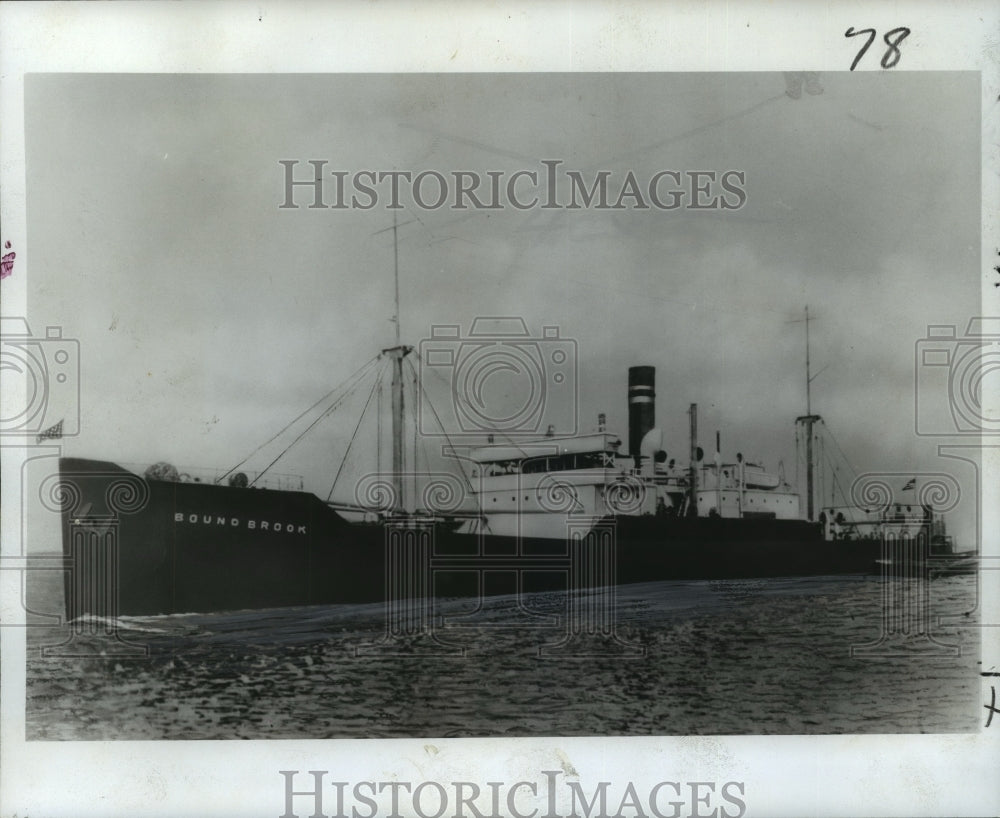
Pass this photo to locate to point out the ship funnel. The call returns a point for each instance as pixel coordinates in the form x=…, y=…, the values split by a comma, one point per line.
x=641, y=406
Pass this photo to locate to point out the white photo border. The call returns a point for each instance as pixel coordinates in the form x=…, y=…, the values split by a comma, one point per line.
x=783, y=775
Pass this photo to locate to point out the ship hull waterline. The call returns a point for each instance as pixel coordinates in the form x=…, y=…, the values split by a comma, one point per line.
x=145, y=547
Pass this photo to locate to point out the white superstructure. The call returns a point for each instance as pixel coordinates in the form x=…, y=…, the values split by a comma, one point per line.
x=532, y=489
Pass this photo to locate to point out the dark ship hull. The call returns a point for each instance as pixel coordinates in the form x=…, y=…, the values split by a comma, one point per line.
x=152, y=547
x=141, y=547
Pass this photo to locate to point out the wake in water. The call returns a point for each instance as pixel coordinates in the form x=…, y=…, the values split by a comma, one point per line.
x=719, y=657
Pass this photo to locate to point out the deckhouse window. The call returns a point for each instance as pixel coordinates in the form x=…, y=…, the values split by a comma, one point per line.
x=502, y=467
x=567, y=462
x=538, y=465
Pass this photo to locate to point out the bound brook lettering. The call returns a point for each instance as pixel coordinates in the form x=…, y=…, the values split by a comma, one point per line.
x=235, y=522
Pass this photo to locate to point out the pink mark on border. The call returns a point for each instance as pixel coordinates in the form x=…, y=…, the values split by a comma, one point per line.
x=7, y=263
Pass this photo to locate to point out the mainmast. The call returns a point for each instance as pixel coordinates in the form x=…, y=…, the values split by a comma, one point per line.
x=693, y=468
x=808, y=420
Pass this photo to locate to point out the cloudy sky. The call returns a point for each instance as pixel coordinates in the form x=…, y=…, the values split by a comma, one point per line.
x=208, y=316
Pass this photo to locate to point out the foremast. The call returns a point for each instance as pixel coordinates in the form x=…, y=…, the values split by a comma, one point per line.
x=396, y=355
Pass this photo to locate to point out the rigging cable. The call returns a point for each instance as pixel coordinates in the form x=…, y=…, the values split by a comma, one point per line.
x=500, y=432
x=440, y=424
x=361, y=417
x=847, y=502
x=300, y=416
x=798, y=455
x=326, y=413
x=821, y=457
x=854, y=472
x=840, y=488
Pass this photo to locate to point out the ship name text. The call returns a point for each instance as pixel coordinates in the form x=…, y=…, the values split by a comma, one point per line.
x=236, y=522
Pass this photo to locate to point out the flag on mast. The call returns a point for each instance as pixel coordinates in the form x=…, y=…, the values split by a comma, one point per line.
x=53, y=432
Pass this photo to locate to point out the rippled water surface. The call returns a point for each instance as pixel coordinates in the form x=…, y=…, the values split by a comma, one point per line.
x=718, y=657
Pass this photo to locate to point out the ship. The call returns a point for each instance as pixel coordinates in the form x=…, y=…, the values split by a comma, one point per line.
x=164, y=541
x=516, y=514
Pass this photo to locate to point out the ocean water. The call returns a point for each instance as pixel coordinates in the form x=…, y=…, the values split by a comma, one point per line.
x=710, y=657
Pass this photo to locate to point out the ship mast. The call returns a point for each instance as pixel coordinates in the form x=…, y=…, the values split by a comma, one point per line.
x=692, y=509
x=397, y=353
x=395, y=272
x=807, y=421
